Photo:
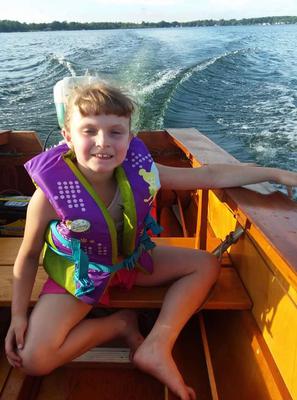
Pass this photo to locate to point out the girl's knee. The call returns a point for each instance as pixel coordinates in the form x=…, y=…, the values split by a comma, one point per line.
x=35, y=361
x=214, y=266
x=210, y=265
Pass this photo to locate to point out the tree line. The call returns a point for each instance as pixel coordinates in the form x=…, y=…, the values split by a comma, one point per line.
x=16, y=26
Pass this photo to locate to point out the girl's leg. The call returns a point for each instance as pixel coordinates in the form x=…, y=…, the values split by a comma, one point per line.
x=57, y=332
x=194, y=272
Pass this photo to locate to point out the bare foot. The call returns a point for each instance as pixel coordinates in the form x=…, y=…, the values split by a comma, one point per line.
x=154, y=358
x=130, y=330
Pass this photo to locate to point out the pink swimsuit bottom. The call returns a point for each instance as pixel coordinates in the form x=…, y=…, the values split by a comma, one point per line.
x=122, y=278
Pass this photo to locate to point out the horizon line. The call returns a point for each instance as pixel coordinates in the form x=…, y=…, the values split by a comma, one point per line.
x=154, y=22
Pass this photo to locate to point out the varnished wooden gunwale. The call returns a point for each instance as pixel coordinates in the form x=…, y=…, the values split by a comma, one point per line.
x=17, y=147
x=4, y=137
x=20, y=142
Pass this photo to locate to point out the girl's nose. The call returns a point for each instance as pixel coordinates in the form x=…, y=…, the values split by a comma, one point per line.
x=102, y=139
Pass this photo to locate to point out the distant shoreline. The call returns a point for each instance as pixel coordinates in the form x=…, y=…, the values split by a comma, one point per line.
x=15, y=26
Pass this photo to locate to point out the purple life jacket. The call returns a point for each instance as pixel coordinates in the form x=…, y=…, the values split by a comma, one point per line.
x=85, y=234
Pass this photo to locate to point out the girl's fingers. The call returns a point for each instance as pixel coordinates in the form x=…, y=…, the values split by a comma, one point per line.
x=14, y=364
x=11, y=355
x=14, y=360
x=19, y=337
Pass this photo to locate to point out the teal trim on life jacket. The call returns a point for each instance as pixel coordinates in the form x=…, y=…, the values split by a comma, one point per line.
x=84, y=284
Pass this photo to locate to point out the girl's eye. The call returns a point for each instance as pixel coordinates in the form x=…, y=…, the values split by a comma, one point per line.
x=115, y=132
x=90, y=131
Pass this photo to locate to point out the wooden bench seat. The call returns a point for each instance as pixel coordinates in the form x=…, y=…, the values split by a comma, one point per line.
x=229, y=292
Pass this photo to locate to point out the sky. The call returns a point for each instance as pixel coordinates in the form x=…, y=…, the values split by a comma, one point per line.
x=141, y=10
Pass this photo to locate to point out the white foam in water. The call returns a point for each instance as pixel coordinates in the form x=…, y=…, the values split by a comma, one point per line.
x=265, y=149
x=206, y=64
x=278, y=113
x=162, y=78
x=67, y=64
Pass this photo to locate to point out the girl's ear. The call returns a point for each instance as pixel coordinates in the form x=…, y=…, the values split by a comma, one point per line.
x=67, y=137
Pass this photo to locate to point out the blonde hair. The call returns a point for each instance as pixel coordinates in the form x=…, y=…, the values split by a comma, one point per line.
x=96, y=99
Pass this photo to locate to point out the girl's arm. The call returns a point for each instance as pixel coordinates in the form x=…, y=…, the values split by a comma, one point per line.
x=222, y=176
x=39, y=213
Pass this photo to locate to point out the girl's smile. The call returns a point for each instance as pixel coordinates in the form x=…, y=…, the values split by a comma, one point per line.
x=100, y=142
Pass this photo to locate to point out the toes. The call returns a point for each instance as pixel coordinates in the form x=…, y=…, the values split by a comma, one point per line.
x=192, y=394
x=186, y=393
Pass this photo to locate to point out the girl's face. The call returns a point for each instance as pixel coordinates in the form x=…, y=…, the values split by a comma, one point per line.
x=100, y=142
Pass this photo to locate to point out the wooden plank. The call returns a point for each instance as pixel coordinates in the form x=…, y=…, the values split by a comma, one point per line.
x=6, y=285
x=204, y=151
x=181, y=217
x=99, y=383
x=229, y=292
x=211, y=375
x=9, y=247
x=175, y=241
x=105, y=355
x=5, y=369
x=201, y=230
x=199, y=146
x=14, y=385
x=190, y=359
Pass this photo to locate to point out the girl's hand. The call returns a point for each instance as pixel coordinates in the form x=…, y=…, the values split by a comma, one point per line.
x=289, y=179
x=15, y=340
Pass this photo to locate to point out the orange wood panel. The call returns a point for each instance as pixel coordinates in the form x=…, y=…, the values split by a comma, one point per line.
x=274, y=307
x=241, y=367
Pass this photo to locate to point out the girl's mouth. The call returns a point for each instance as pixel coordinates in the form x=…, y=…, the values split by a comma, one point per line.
x=103, y=156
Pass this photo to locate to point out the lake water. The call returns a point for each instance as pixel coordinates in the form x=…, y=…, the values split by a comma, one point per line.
x=237, y=85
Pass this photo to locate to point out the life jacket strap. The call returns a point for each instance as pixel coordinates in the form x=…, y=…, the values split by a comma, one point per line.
x=84, y=284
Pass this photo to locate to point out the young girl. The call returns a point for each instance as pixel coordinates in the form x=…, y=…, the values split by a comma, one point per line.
x=91, y=209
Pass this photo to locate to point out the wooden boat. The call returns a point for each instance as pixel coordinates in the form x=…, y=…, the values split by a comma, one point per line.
x=243, y=344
